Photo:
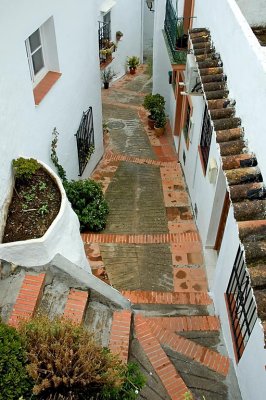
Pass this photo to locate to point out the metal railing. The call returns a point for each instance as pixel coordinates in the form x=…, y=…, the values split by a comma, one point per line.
x=206, y=138
x=241, y=304
x=173, y=27
x=85, y=139
x=104, y=35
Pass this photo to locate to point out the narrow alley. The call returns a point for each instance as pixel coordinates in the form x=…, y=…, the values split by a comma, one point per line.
x=151, y=252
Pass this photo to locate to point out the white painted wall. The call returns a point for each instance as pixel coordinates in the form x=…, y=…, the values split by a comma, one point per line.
x=245, y=65
x=26, y=129
x=127, y=17
x=62, y=237
x=254, y=11
x=148, y=24
x=161, y=63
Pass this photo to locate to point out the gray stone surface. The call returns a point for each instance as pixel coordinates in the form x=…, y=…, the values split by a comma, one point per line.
x=98, y=320
x=9, y=289
x=54, y=297
x=125, y=98
x=141, y=83
x=135, y=199
x=138, y=267
x=170, y=310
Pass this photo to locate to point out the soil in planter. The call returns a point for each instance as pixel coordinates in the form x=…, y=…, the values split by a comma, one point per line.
x=34, y=206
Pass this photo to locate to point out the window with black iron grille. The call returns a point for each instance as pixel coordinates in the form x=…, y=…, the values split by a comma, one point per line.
x=241, y=304
x=206, y=137
x=104, y=36
x=85, y=139
x=186, y=127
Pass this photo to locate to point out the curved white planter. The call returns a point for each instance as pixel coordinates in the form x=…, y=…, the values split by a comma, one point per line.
x=62, y=237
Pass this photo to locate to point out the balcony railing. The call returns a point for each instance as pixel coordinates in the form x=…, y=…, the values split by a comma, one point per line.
x=177, y=40
x=85, y=139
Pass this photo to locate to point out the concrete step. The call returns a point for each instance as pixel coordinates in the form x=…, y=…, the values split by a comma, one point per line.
x=76, y=305
x=151, y=297
x=28, y=298
x=120, y=334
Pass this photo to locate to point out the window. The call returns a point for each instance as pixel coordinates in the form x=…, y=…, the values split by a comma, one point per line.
x=85, y=139
x=188, y=124
x=42, y=57
x=206, y=137
x=35, y=54
x=241, y=304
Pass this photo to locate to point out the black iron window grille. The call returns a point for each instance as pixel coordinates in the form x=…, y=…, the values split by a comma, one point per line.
x=174, y=30
x=85, y=139
x=186, y=127
x=206, y=138
x=241, y=304
x=104, y=36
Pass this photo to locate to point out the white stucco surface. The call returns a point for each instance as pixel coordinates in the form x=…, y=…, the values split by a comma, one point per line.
x=26, y=129
x=62, y=237
x=127, y=17
x=148, y=25
x=254, y=11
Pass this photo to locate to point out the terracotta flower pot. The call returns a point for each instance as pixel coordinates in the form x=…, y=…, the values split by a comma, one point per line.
x=159, y=131
x=132, y=70
x=151, y=122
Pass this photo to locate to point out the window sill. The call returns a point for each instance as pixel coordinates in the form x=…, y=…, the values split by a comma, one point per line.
x=41, y=90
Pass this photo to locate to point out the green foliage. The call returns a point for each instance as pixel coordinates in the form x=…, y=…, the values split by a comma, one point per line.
x=118, y=35
x=64, y=360
x=87, y=200
x=60, y=170
x=14, y=380
x=134, y=381
x=154, y=103
x=43, y=210
x=133, y=61
x=107, y=75
x=160, y=119
x=24, y=168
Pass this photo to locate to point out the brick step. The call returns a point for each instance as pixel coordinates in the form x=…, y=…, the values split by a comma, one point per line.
x=76, y=305
x=203, y=355
x=151, y=297
x=185, y=238
x=110, y=156
x=28, y=298
x=172, y=381
x=120, y=334
x=187, y=324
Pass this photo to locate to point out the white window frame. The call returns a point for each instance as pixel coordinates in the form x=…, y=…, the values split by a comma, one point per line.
x=36, y=78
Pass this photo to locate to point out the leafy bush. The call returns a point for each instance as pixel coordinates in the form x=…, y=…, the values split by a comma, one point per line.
x=88, y=202
x=154, y=103
x=133, y=382
x=64, y=360
x=24, y=168
x=14, y=380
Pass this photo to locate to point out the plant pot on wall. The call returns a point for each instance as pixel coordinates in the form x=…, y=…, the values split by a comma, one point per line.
x=132, y=70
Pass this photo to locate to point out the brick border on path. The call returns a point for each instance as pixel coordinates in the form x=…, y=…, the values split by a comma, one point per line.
x=187, y=324
x=172, y=381
x=110, y=156
x=146, y=297
x=186, y=237
x=120, y=334
x=203, y=355
x=28, y=298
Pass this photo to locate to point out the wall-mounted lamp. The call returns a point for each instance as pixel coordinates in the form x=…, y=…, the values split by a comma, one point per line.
x=150, y=5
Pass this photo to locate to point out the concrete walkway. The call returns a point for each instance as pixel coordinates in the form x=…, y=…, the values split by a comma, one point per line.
x=151, y=251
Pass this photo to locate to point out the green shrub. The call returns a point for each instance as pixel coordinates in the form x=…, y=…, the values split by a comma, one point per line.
x=133, y=383
x=154, y=103
x=64, y=360
x=24, y=168
x=14, y=380
x=88, y=202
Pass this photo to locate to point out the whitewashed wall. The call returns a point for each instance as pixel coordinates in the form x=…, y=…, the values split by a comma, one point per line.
x=127, y=17
x=245, y=65
x=148, y=24
x=254, y=11
x=161, y=63
x=26, y=129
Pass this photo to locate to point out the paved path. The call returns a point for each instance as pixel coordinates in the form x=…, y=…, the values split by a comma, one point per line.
x=151, y=251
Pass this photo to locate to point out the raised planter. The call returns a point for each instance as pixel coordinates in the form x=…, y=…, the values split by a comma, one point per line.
x=62, y=237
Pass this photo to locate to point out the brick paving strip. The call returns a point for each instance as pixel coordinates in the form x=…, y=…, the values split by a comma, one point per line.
x=76, y=305
x=188, y=348
x=111, y=156
x=140, y=239
x=172, y=381
x=187, y=324
x=152, y=297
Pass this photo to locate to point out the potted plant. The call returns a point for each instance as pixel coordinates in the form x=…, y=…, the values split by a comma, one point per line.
x=133, y=62
x=118, y=35
x=153, y=103
x=160, y=122
x=107, y=75
x=182, y=38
